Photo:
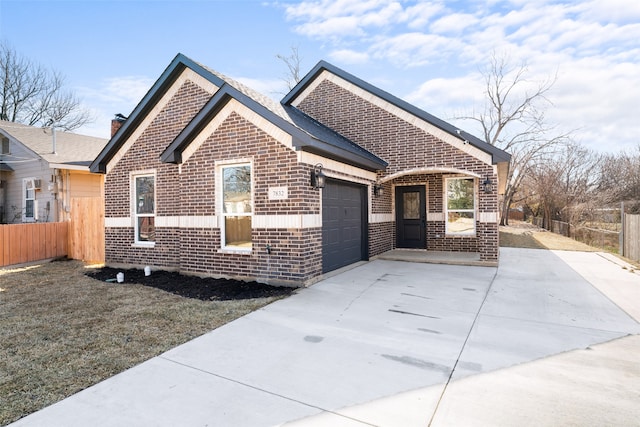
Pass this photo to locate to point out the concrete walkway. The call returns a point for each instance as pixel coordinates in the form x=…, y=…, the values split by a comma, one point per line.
x=537, y=341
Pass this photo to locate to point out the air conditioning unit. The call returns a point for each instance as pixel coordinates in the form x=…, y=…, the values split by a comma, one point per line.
x=37, y=184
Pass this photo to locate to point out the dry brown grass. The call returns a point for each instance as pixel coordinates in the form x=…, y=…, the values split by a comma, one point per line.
x=524, y=235
x=61, y=331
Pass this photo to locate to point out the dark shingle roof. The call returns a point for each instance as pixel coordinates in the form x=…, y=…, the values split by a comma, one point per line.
x=307, y=134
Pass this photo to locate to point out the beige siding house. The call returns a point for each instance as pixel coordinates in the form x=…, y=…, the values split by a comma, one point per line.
x=41, y=171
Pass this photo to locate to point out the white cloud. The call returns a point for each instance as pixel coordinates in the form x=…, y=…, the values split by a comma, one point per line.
x=451, y=98
x=600, y=100
x=415, y=49
x=327, y=19
x=324, y=9
x=454, y=23
x=594, y=47
x=421, y=14
x=127, y=90
x=347, y=56
x=273, y=88
x=615, y=11
x=332, y=27
x=111, y=96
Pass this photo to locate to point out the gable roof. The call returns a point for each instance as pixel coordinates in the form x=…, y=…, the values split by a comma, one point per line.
x=73, y=151
x=307, y=134
x=497, y=155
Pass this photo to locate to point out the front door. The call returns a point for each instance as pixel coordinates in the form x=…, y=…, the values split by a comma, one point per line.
x=410, y=217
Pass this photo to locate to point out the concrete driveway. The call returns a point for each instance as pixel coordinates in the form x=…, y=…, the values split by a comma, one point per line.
x=536, y=341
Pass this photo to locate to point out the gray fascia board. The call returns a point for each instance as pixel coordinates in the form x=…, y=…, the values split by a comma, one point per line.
x=497, y=154
x=168, y=77
x=173, y=153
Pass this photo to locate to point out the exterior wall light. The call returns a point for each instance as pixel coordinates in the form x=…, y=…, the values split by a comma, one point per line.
x=378, y=190
x=487, y=186
x=317, y=177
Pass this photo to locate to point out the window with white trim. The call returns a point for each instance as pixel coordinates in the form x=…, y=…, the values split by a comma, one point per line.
x=30, y=205
x=237, y=206
x=144, y=207
x=460, y=206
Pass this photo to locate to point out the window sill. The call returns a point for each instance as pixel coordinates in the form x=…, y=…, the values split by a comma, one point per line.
x=143, y=245
x=235, y=251
x=455, y=235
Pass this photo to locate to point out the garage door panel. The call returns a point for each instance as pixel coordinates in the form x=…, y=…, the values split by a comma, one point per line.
x=343, y=206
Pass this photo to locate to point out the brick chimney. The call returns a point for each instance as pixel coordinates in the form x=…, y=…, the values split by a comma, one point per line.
x=116, y=123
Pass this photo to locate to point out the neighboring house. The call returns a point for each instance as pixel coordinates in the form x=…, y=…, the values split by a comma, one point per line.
x=208, y=177
x=40, y=172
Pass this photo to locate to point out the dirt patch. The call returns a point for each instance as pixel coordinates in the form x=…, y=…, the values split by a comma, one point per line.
x=520, y=234
x=205, y=289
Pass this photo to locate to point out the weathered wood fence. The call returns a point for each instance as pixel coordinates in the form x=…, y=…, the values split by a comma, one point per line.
x=82, y=238
x=631, y=230
x=626, y=242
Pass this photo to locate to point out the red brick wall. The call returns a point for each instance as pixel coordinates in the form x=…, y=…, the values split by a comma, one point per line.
x=295, y=254
x=381, y=237
x=145, y=155
x=404, y=147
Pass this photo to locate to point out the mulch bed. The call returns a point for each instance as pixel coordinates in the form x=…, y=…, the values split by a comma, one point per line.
x=205, y=289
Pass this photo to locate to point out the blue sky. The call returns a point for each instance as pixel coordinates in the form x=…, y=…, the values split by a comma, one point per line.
x=429, y=53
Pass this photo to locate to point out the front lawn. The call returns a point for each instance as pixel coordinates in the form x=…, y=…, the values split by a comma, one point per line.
x=61, y=331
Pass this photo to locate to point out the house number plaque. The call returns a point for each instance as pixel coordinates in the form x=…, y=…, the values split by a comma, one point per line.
x=278, y=193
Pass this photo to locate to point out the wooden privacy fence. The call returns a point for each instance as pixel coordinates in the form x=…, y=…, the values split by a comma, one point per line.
x=82, y=238
x=631, y=237
x=86, y=230
x=22, y=243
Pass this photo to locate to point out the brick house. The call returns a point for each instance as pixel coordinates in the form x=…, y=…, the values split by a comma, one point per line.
x=209, y=177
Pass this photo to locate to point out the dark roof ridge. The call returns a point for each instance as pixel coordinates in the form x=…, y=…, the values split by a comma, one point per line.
x=157, y=90
x=232, y=88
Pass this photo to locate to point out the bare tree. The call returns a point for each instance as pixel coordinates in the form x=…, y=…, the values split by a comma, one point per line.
x=620, y=179
x=513, y=119
x=33, y=95
x=563, y=187
x=292, y=77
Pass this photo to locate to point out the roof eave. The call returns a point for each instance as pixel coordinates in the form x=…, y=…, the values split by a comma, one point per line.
x=69, y=167
x=341, y=155
x=300, y=139
x=168, y=77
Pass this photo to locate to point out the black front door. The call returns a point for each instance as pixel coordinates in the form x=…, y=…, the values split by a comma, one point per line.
x=410, y=217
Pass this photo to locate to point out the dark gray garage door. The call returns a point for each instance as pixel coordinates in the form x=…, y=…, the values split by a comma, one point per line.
x=344, y=224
